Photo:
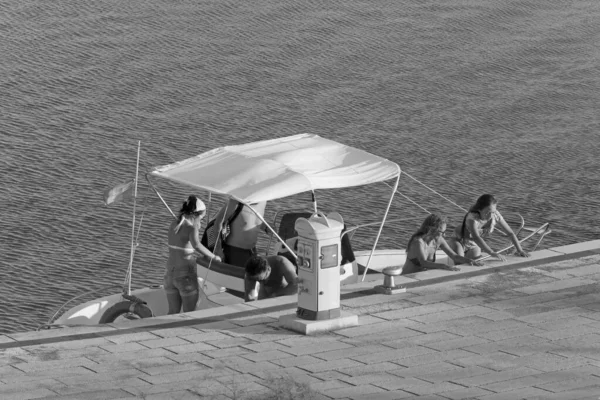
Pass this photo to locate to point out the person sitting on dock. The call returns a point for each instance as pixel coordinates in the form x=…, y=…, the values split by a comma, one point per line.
x=243, y=227
x=479, y=223
x=270, y=276
x=421, y=248
x=181, y=279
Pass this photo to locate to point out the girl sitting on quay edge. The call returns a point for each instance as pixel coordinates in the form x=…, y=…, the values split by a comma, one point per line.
x=478, y=224
x=421, y=248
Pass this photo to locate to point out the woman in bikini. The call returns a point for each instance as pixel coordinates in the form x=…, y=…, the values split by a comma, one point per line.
x=181, y=279
x=421, y=248
x=478, y=224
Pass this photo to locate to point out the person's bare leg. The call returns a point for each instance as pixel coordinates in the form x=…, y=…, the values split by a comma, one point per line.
x=473, y=253
x=189, y=301
x=189, y=290
x=174, y=300
x=456, y=246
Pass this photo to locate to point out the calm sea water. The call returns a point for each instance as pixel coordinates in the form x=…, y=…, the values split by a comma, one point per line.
x=469, y=96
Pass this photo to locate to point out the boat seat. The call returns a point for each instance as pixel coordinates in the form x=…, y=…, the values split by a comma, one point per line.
x=287, y=231
x=287, y=226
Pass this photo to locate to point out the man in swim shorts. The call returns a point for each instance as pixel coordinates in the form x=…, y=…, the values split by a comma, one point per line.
x=269, y=277
x=244, y=229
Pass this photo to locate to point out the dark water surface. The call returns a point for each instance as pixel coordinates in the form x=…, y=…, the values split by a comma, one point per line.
x=471, y=96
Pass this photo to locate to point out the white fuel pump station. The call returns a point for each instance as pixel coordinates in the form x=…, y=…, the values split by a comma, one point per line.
x=319, y=256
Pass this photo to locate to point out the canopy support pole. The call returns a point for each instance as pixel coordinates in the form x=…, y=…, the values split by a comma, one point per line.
x=272, y=230
x=208, y=208
x=160, y=197
x=381, y=226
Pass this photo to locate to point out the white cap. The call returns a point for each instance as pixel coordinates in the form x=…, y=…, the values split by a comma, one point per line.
x=200, y=206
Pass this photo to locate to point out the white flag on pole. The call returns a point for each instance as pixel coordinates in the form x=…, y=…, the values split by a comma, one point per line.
x=121, y=192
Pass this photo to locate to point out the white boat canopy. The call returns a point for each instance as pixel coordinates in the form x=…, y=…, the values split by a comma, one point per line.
x=277, y=168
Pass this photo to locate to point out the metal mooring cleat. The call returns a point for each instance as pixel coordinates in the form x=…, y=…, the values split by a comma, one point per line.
x=388, y=286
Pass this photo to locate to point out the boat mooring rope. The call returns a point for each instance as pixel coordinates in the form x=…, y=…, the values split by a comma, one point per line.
x=412, y=201
x=427, y=187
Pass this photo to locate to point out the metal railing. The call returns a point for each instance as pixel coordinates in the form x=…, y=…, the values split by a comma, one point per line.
x=49, y=324
x=513, y=218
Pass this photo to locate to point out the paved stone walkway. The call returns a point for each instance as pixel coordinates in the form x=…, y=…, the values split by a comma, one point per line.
x=528, y=333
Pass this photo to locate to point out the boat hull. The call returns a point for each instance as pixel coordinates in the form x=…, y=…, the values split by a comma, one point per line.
x=91, y=312
x=220, y=276
x=390, y=258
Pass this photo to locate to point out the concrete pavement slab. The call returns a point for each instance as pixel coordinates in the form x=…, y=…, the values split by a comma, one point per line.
x=426, y=369
x=523, y=393
x=360, y=390
x=466, y=393
x=415, y=311
x=28, y=394
x=456, y=375
x=496, y=361
x=433, y=357
x=495, y=376
x=370, y=368
x=586, y=393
